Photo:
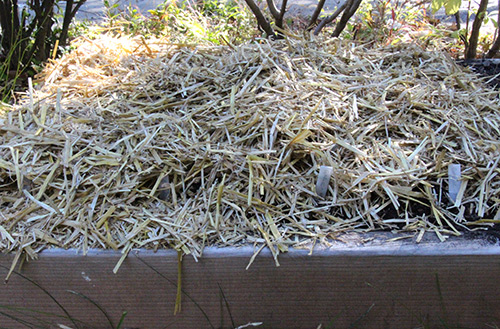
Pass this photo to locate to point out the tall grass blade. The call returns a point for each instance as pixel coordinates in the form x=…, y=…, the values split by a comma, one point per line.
x=178, y=298
x=46, y=292
x=444, y=318
x=21, y=321
x=233, y=325
x=355, y=323
x=99, y=307
x=30, y=313
x=124, y=314
x=331, y=323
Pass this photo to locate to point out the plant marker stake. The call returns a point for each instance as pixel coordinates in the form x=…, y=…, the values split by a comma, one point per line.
x=30, y=89
x=325, y=172
x=454, y=175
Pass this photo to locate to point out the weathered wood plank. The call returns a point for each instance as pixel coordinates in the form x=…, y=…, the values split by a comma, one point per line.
x=394, y=285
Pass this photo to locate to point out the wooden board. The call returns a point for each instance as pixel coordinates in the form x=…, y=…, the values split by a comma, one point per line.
x=372, y=285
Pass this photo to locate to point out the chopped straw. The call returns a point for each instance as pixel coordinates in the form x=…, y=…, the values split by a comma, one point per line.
x=132, y=143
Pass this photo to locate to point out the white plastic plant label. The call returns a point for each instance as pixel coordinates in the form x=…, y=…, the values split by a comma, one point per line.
x=325, y=172
x=454, y=176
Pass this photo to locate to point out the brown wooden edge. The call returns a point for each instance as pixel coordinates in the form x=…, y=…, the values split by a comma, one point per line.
x=359, y=283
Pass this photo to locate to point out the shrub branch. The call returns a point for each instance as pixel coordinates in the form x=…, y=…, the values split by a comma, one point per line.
x=471, y=51
x=261, y=20
x=330, y=18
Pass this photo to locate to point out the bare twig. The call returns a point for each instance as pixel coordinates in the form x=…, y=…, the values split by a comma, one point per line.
x=283, y=8
x=331, y=18
x=476, y=26
x=69, y=14
x=457, y=20
x=279, y=20
x=272, y=8
x=348, y=13
x=278, y=15
x=261, y=20
x=316, y=13
x=495, y=47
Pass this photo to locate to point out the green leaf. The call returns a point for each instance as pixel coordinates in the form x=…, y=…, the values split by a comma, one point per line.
x=437, y=4
x=495, y=23
x=452, y=6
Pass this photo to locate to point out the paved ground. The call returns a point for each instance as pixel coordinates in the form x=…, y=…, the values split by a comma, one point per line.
x=95, y=9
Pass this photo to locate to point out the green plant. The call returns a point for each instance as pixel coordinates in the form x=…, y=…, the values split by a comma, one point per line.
x=210, y=21
x=112, y=11
x=227, y=19
x=471, y=40
x=371, y=22
x=31, y=318
x=84, y=28
x=450, y=6
x=29, y=36
x=385, y=22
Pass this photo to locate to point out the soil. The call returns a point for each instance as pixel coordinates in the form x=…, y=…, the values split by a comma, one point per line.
x=488, y=68
x=492, y=235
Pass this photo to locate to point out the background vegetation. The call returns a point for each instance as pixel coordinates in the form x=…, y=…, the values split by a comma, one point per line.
x=31, y=32
x=34, y=31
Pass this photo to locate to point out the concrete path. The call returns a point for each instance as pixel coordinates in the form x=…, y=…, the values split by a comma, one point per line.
x=95, y=10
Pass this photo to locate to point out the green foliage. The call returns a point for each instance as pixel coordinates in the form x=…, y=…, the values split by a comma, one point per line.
x=210, y=21
x=83, y=28
x=112, y=10
x=30, y=35
x=385, y=21
x=450, y=6
x=492, y=17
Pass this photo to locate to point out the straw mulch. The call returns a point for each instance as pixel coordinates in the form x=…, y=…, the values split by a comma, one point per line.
x=143, y=143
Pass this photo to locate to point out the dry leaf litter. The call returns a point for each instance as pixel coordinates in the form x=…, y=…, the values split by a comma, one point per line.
x=132, y=143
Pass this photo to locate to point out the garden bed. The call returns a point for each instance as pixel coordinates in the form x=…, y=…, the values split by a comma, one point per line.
x=132, y=143
x=359, y=281
x=152, y=145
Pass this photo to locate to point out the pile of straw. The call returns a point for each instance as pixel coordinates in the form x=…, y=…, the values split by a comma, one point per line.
x=134, y=143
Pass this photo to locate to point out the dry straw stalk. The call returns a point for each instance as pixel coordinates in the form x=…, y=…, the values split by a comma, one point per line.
x=144, y=143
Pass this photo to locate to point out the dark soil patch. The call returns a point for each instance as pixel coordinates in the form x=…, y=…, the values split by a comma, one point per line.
x=492, y=235
x=488, y=68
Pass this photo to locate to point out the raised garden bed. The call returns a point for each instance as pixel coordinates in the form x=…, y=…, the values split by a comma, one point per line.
x=133, y=145
x=363, y=281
